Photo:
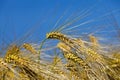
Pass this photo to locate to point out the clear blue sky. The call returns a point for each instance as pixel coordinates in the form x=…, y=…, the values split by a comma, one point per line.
x=19, y=16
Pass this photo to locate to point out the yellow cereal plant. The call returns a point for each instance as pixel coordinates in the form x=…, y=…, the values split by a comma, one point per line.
x=76, y=59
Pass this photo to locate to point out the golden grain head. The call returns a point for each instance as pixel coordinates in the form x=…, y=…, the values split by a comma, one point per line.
x=29, y=47
x=55, y=35
x=14, y=49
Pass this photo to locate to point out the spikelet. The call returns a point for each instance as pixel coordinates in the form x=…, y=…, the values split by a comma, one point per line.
x=13, y=49
x=2, y=63
x=29, y=47
x=59, y=36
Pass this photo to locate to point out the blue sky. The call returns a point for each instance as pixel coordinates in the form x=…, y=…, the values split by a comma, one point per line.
x=17, y=17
